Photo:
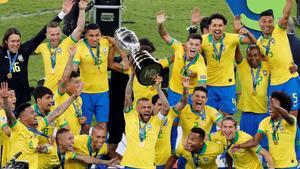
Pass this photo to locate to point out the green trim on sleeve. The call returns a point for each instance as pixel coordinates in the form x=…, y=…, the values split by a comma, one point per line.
x=258, y=149
x=73, y=39
x=260, y=131
x=4, y=125
x=241, y=40
x=74, y=156
x=202, y=82
x=281, y=27
x=177, y=112
x=169, y=61
x=209, y=136
x=14, y=124
x=76, y=62
x=172, y=42
x=128, y=110
x=64, y=124
x=219, y=118
x=46, y=121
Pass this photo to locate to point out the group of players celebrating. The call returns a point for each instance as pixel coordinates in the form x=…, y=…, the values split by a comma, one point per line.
x=56, y=131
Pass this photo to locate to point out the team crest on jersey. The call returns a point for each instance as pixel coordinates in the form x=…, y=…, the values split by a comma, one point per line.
x=202, y=77
x=105, y=51
x=205, y=159
x=149, y=126
x=265, y=73
x=20, y=58
x=272, y=40
x=59, y=50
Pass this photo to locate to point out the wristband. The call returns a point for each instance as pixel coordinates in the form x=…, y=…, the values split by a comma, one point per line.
x=122, y=68
x=61, y=15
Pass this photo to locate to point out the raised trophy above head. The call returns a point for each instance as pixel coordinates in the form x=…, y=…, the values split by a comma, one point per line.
x=145, y=66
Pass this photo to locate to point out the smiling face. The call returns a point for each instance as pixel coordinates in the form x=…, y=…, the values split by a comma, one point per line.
x=98, y=138
x=194, y=142
x=28, y=117
x=144, y=107
x=13, y=43
x=54, y=35
x=199, y=99
x=266, y=24
x=66, y=141
x=193, y=47
x=254, y=57
x=93, y=37
x=12, y=100
x=217, y=28
x=228, y=129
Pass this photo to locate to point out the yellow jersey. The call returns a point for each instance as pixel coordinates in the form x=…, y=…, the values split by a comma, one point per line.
x=220, y=69
x=206, y=158
x=82, y=145
x=189, y=119
x=69, y=158
x=72, y=113
x=277, y=50
x=146, y=148
x=243, y=158
x=4, y=139
x=49, y=159
x=93, y=69
x=258, y=97
x=195, y=69
x=163, y=144
x=282, y=151
x=26, y=141
x=54, y=66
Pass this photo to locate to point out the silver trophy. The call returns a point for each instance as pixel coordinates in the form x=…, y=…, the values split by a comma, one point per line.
x=144, y=65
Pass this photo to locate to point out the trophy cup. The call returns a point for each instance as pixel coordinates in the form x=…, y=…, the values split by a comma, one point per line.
x=144, y=65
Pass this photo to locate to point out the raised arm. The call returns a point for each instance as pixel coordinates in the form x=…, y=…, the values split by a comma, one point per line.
x=275, y=104
x=250, y=143
x=283, y=21
x=249, y=37
x=63, y=107
x=81, y=20
x=30, y=45
x=128, y=93
x=67, y=71
x=162, y=96
x=195, y=20
x=184, y=99
x=4, y=92
x=160, y=19
x=90, y=160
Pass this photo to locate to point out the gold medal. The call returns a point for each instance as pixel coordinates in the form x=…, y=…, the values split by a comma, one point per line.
x=254, y=93
x=9, y=75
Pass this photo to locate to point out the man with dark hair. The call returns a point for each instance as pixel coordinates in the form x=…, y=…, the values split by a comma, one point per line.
x=280, y=129
x=14, y=57
x=274, y=44
x=55, y=52
x=25, y=128
x=93, y=55
x=219, y=49
x=197, y=152
x=142, y=128
x=67, y=86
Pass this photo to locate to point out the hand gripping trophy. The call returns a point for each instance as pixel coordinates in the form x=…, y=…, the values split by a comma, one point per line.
x=145, y=66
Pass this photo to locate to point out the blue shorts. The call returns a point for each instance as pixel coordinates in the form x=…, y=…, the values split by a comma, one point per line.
x=174, y=98
x=95, y=103
x=291, y=88
x=249, y=123
x=160, y=167
x=222, y=98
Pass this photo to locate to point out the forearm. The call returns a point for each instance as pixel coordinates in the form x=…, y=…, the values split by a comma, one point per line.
x=164, y=33
x=80, y=25
x=11, y=119
x=164, y=101
x=60, y=110
x=128, y=93
x=248, y=144
x=171, y=161
x=285, y=115
x=251, y=37
x=68, y=69
x=287, y=9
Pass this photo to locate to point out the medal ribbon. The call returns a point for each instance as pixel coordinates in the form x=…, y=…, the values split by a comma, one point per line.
x=255, y=78
x=12, y=61
x=196, y=158
x=37, y=132
x=201, y=114
x=275, y=135
x=223, y=156
x=268, y=44
x=77, y=109
x=61, y=158
x=186, y=67
x=96, y=58
x=52, y=56
x=142, y=131
x=217, y=53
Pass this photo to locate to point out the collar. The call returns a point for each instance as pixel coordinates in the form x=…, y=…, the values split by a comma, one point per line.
x=236, y=137
x=203, y=149
x=211, y=39
x=38, y=112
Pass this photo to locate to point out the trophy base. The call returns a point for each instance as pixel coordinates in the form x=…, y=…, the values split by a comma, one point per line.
x=147, y=74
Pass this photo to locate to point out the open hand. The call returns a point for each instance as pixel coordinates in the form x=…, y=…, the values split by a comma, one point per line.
x=67, y=6
x=161, y=17
x=196, y=17
x=4, y=92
